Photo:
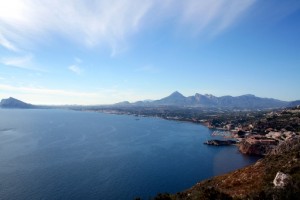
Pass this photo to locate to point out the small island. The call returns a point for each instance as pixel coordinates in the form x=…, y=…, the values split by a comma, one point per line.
x=220, y=142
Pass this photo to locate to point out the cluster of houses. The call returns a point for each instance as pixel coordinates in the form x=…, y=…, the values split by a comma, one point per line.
x=281, y=135
x=262, y=139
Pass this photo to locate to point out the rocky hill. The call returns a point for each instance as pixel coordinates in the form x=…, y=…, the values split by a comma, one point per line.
x=277, y=176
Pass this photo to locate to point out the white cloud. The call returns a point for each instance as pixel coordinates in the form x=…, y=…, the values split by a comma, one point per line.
x=107, y=22
x=23, y=62
x=45, y=91
x=76, y=69
x=7, y=44
x=89, y=23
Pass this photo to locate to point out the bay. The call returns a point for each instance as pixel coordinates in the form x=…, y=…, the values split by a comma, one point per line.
x=63, y=154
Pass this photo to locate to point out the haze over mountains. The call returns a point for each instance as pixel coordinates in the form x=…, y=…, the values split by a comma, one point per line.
x=176, y=99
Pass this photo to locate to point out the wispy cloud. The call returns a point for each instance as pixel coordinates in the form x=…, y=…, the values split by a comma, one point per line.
x=76, y=69
x=45, y=91
x=213, y=16
x=7, y=44
x=23, y=62
x=106, y=22
x=89, y=23
x=112, y=22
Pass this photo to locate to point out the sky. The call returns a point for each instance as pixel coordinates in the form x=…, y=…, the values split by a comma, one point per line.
x=92, y=52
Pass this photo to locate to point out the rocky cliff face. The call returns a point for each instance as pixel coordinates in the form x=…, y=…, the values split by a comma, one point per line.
x=253, y=149
x=255, y=181
x=263, y=147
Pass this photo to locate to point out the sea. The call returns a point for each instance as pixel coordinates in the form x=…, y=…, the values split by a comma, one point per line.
x=65, y=154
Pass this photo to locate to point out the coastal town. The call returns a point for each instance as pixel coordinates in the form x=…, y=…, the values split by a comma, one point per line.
x=261, y=135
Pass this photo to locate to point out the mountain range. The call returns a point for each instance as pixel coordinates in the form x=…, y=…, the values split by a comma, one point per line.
x=247, y=101
x=176, y=99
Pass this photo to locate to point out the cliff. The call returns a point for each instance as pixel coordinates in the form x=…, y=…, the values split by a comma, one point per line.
x=257, y=145
x=257, y=181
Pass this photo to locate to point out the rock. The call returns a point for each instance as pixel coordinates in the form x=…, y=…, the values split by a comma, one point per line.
x=220, y=142
x=281, y=180
x=257, y=145
x=254, y=149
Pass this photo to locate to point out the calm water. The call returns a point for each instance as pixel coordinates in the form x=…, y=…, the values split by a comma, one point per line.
x=60, y=154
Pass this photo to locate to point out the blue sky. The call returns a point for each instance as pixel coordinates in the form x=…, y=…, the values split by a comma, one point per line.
x=102, y=52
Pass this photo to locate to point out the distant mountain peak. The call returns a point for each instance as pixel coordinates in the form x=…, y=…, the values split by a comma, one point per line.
x=176, y=93
x=14, y=103
x=11, y=99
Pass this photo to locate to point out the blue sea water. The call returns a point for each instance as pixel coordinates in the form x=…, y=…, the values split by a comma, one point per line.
x=62, y=154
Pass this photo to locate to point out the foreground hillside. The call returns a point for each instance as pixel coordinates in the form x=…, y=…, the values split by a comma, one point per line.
x=255, y=181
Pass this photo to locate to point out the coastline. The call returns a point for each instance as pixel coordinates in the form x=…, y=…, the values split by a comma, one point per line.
x=228, y=136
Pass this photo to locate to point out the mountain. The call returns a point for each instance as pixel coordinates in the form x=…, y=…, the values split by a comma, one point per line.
x=14, y=103
x=175, y=99
x=294, y=103
x=123, y=103
x=250, y=101
x=247, y=101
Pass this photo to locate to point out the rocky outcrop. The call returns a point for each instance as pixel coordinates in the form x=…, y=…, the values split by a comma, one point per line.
x=220, y=142
x=254, y=148
x=281, y=180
